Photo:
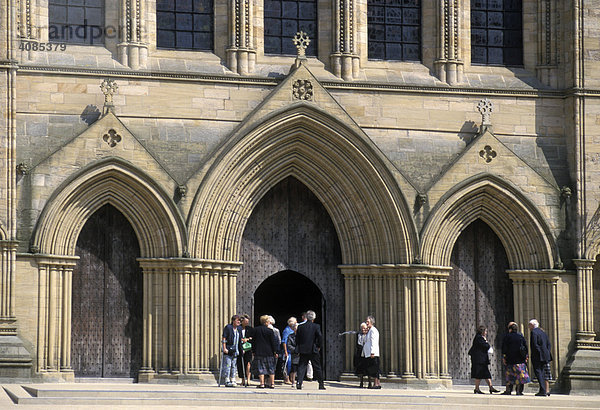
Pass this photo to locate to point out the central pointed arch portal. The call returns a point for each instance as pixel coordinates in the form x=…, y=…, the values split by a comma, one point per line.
x=291, y=254
x=350, y=179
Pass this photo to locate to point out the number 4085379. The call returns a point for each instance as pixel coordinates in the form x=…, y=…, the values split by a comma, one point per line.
x=35, y=46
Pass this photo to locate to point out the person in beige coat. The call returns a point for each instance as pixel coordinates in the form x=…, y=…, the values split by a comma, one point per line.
x=371, y=353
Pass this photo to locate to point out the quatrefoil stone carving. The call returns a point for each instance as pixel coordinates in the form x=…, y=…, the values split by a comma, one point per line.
x=487, y=153
x=112, y=138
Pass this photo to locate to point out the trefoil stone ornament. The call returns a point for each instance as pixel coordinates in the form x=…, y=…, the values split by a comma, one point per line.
x=108, y=87
x=112, y=138
x=487, y=153
x=302, y=90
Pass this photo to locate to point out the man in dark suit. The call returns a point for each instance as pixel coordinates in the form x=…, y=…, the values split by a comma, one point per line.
x=309, y=340
x=541, y=357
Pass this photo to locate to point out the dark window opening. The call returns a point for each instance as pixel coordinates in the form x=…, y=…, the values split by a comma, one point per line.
x=78, y=22
x=184, y=24
x=497, y=32
x=394, y=29
x=283, y=19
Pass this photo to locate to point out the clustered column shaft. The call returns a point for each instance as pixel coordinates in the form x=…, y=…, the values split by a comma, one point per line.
x=585, y=299
x=183, y=299
x=449, y=62
x=410, y=303
x=535, y=297
x=133, y=48
x=344, y=58
x=54, y=315
x=241, y=53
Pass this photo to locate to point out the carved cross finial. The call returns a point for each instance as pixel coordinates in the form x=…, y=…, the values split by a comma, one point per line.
x=301, y=41
x=485, y=108
x=108, y=87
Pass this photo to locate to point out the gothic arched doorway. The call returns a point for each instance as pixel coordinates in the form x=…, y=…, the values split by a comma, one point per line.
x=479, y=292
x=290, y=231
x=106, y=338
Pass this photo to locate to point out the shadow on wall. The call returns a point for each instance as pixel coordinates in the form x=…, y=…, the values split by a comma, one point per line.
x=468, y=132
x=90, y=114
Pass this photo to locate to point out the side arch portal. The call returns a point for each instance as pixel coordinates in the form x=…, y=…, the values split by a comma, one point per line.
x=154, y=217
x=528, y=241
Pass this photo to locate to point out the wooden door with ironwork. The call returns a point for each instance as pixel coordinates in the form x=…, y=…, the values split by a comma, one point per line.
x=107, y=298
x=479, y=292
x=290, y=230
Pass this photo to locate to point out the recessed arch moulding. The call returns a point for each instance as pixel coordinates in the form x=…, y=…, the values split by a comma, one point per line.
x=148, y=208
x=160, y=230
x=527, y=239
x=342, y=169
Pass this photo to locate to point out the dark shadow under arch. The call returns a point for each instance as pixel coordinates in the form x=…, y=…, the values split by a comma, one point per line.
x=286, y=294
x=271, y=298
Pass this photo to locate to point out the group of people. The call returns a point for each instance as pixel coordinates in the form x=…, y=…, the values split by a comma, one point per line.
x=257, y=350
x=515, y=356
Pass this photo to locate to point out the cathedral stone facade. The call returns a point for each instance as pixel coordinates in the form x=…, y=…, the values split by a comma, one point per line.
x=166, y=164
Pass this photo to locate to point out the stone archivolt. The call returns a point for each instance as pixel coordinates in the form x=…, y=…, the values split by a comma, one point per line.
x=528, y=241
x=370, y=214
x=150, y=211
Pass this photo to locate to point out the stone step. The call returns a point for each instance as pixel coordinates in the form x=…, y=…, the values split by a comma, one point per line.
x=334, y=397
x=105, y=380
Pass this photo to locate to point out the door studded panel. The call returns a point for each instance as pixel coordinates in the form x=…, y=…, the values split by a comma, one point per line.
x=290, y=229
x=107, y=299
x=479, y=292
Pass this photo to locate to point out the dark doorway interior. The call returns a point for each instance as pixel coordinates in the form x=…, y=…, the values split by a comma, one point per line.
x=286, y=294
x=275, y=297
x=479, y=292
x=106, y=339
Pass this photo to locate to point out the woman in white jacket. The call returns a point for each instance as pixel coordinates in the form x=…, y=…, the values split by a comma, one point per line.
x=371, y=353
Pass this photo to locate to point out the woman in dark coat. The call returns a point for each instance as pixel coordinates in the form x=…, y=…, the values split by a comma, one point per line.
x=514, y=357
x=245, y=358
x=480, y=360
x=265, y=348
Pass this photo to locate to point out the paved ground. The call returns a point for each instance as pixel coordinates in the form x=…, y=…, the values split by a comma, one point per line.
x=337, y=395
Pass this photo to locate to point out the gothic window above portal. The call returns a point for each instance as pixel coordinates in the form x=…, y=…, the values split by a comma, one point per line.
x=76, y=21
x=184, y=24
x=497, y=32
x=394, y=29
x=283, y=19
